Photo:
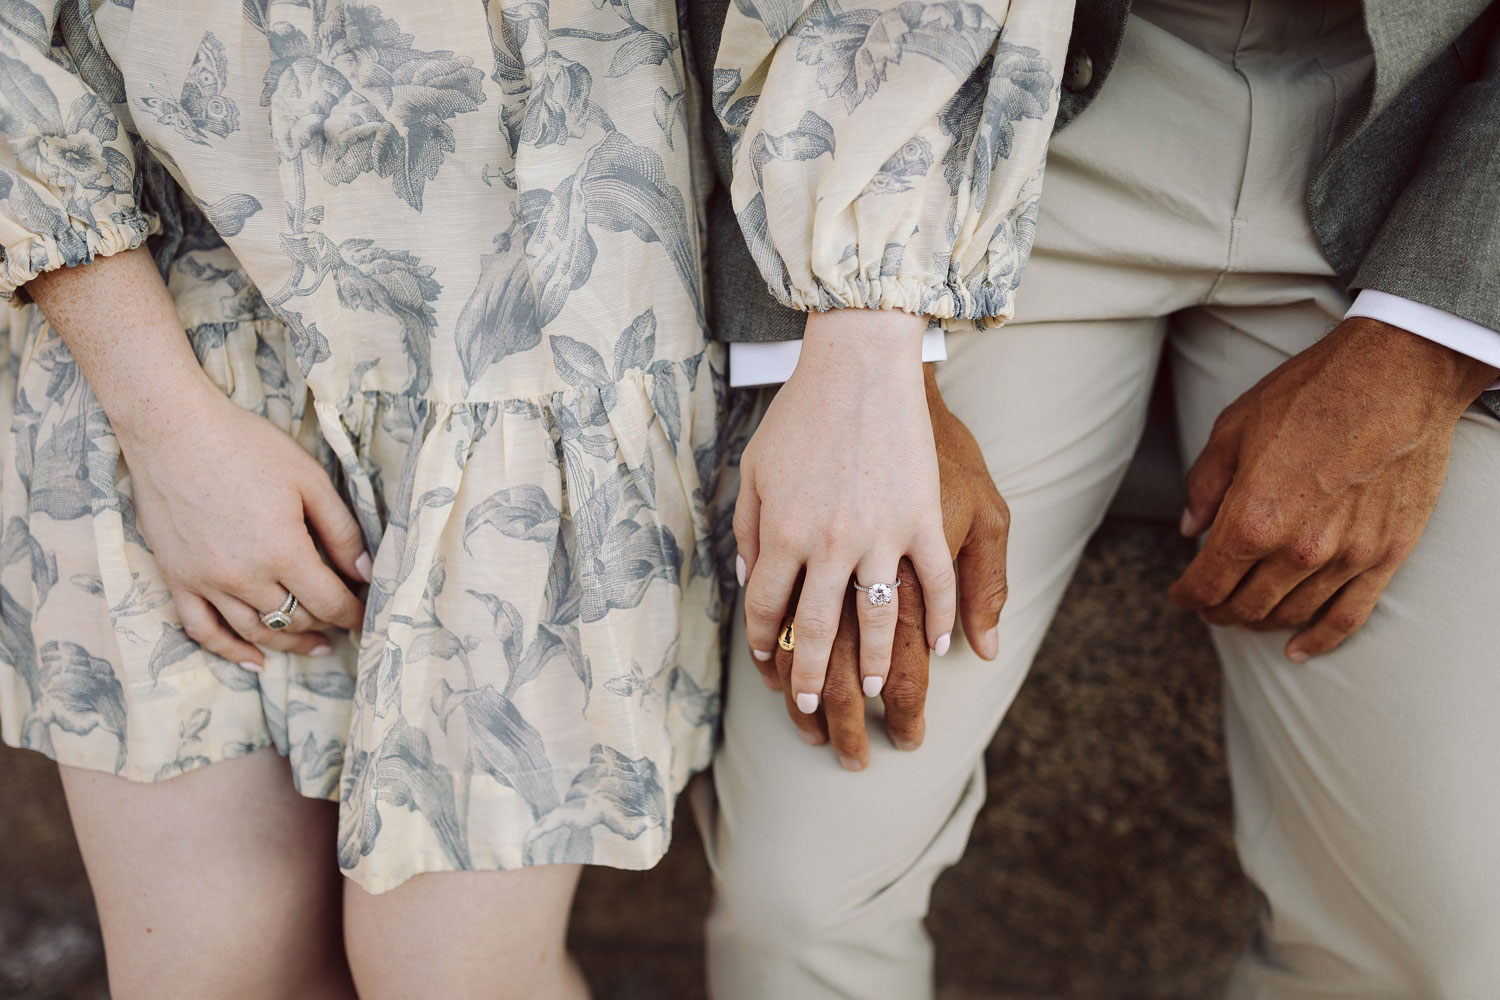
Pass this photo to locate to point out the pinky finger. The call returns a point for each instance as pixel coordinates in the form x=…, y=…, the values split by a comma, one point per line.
x=204, y=626
x=1341, y=618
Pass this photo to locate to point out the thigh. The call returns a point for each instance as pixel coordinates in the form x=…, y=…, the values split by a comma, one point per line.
x=469, y=935
x=1365, y=781
x=222, y=882
x=833, y=867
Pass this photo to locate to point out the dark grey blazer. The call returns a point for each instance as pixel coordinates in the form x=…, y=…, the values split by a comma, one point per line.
x=1407, y=202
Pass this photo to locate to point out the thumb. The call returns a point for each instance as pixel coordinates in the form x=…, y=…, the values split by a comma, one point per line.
x=1209, y=478
x=981, y=580
x=335, y=528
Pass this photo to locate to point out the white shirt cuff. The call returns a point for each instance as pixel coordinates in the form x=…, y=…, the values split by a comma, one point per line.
x=1462, y=335
x=773, y=363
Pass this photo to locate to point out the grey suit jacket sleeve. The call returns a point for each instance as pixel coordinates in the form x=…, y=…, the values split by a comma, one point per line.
x=1440, y=242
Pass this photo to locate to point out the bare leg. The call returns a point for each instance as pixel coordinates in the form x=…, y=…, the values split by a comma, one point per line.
x=223, y=882
x=466, y=935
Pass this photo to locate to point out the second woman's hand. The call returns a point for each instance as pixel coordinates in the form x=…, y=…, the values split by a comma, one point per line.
x=230, y=504
x=838, y=484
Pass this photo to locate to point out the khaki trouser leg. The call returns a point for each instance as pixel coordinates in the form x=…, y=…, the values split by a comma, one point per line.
x=823, y=875
x=1367, y=782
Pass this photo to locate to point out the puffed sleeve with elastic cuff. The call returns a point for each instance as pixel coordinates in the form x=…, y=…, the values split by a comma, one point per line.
x=67, y=173
x=888, y=154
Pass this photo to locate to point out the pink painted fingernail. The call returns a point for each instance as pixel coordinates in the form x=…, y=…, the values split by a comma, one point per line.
x=739, y=569
x=251, y=666
x=363, y=565
x=321, y=649
x=807, y=703
x=873, y=684
x=944, y=641
x=761, y=654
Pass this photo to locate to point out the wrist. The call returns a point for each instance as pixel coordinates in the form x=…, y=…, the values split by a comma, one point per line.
x=168, y=401
x=1413, y=359
x=871, y=341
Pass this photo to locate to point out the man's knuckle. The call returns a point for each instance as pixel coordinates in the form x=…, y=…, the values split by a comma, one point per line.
x=901, y=694
x=840, y=699
x=1251, y=536
x=1310, y=553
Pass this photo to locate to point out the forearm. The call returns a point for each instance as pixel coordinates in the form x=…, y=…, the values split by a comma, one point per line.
x=122, y=328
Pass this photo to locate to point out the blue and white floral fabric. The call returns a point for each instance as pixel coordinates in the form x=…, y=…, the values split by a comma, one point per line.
x=453, y=248
x=912, y=133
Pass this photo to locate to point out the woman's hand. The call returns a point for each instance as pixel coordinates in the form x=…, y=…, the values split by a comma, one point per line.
x=226, y=500
x=840, y=482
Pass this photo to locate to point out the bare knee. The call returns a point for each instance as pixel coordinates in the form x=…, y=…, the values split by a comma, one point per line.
x=466, y=935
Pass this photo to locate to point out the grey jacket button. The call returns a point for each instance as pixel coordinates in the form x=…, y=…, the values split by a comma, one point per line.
x=1079, y=71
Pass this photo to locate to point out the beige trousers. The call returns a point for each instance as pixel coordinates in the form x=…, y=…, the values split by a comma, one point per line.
x=1367, y=782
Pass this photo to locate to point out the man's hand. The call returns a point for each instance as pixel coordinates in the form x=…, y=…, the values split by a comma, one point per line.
x=976, y=523
x=1319, y=480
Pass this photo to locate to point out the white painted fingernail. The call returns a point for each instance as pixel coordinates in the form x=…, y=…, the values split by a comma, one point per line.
x=363, y=565
x=322, y=649
x=251, y=666
x=873, y=684
x=761, y=654
x=739, y=569
x=944, y=641
x=807, y=703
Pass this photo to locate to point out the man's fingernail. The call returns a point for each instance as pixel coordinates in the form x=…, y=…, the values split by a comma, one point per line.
x=807, y=703
x=739, y=569
x=761, y=654
x=944, y=641
x=251, y=666
x=907, y=745
x=873, y=684
x=992, y=643
x=363, y=565
x=1188, y=524
x=1297, y=655
x=851, y=763
x=811, y=739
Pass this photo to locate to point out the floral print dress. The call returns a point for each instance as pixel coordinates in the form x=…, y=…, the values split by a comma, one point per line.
x=452, y=247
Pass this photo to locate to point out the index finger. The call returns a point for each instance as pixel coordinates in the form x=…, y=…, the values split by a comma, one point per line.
x=905, y=691
x=1215, y=571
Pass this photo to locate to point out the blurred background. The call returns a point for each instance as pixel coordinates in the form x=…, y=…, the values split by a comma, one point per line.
x=1102, y=867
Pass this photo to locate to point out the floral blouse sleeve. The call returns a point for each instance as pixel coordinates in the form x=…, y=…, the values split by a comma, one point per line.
x=67, y=173
x=888, y=153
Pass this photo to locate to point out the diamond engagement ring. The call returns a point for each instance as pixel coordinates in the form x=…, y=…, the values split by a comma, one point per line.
x=879, y=593
x=282, y=616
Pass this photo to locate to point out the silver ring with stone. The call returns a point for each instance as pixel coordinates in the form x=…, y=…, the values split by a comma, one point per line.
x=282, y=616
x=879, y=594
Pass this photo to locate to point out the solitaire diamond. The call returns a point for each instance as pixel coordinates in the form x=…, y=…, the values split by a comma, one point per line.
x=880, y=593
